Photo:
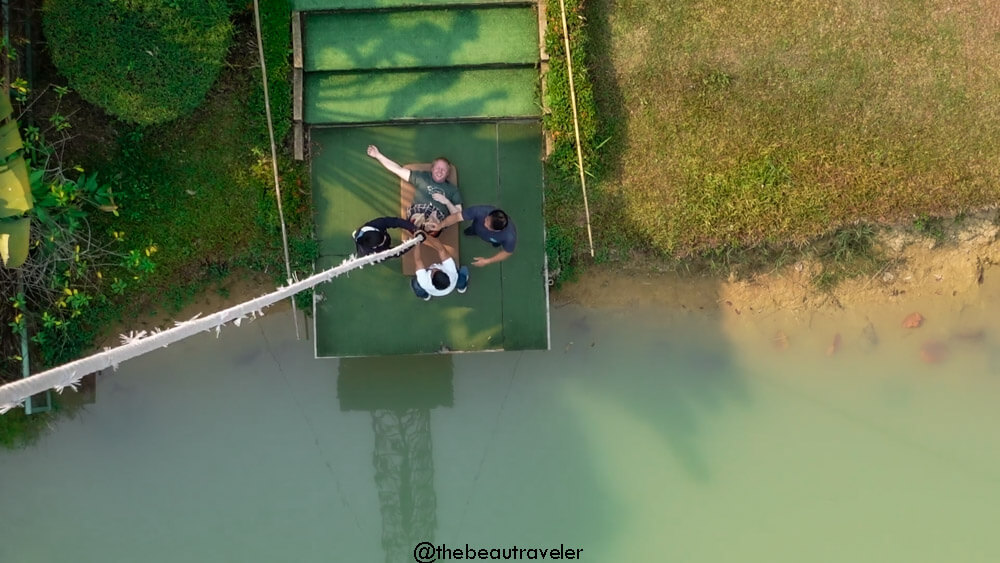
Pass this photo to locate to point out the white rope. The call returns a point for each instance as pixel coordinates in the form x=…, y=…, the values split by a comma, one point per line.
x=274, y=160
x=138, y=343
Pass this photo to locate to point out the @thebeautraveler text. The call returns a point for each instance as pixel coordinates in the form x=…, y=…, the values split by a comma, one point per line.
x=426, y=552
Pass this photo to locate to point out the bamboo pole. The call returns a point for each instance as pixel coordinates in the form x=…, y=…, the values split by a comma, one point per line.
x=274, y=160
x=576, y=125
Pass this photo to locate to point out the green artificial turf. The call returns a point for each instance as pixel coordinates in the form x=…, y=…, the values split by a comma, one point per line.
x=374, y=311
x=421, y=38
x=306, y=5
x=444, y=93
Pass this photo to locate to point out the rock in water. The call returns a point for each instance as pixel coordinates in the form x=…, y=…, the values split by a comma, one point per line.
x=913, y=320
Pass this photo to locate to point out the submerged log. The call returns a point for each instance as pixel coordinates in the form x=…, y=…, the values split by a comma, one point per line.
x=974, y=335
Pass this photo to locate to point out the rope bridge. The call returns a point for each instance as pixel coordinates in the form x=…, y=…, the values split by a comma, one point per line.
x=138, y=343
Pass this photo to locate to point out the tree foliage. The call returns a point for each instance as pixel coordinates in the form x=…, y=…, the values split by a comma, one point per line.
x=143, y=61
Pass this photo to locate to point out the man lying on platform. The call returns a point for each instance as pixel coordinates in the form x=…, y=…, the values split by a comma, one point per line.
x=434, y=197
x=488, y=223
x=441, y=278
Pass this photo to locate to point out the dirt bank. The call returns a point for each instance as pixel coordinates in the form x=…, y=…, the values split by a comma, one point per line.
x=952, y=282
x=922, y=269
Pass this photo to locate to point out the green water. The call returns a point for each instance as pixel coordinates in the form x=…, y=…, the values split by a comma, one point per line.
x=640, y=436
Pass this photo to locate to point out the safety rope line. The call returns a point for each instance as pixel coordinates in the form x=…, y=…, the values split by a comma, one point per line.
x=138, y=343
x=576, y=124
x=274, y=160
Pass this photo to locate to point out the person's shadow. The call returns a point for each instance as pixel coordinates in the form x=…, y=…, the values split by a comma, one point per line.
x=400, y=393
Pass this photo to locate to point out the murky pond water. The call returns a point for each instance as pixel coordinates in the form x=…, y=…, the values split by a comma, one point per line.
x=643, y=435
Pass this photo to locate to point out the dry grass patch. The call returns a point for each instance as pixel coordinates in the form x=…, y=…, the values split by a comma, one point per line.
x=746, y=123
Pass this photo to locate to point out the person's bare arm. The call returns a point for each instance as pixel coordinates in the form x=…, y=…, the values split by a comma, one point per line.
x=452, y=208
x=436, y=245
x=417, y=262
x=498, y=257
x=448, y=221
x=391, y=166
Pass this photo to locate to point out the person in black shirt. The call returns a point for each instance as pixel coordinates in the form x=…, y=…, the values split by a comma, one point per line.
x=374, y=237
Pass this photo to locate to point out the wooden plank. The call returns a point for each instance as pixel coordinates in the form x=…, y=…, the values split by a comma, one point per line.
x=546, y=110
x=297, y=94
x=298, y=141
x=296, y=39
x=543, y=55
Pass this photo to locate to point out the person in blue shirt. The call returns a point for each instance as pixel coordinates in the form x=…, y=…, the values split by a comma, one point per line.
x=490, y=224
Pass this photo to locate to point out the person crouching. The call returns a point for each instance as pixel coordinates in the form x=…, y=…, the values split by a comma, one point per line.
x=440, y=279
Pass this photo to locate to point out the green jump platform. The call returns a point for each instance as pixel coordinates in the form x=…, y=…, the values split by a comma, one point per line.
x=421, y=39
x=314, y=5
x=372, y=311
x=437, y=94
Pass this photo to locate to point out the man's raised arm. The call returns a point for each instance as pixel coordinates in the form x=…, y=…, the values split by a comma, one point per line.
x=403, y=173
x=448, y=221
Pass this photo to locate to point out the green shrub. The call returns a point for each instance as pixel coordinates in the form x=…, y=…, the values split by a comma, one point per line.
x=930, y=226
x=559, y=120
x=559, y=248
x=277, y=36
x=143, y=61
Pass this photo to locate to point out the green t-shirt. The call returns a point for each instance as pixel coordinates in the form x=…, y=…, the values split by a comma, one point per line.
x=425, y=187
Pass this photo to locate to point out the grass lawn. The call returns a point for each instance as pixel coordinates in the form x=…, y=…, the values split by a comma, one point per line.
x=737, y=124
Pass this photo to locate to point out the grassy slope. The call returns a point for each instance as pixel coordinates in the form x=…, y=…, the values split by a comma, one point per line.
x=763, y=121
x=201, y=187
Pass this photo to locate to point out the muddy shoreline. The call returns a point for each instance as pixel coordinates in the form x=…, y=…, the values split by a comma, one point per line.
x=952, y=282
x=954, y=269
